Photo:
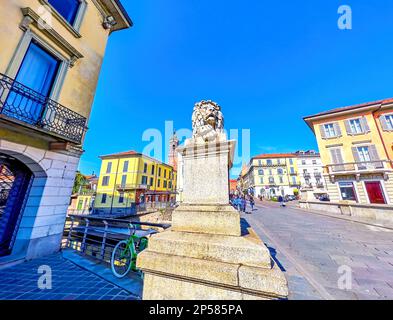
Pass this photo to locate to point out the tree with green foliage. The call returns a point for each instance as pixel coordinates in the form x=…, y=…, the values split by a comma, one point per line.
x=80, y=181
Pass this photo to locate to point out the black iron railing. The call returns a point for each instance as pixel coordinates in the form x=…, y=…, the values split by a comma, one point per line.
x=18, y=102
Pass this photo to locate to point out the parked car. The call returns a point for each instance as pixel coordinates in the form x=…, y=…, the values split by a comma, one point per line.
x=324, y=197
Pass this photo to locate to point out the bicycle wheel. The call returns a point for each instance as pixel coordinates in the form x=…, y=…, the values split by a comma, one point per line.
x=121, y=260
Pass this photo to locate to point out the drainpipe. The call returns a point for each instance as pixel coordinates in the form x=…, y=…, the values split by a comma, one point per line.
x=380, y=134
x=114, y=186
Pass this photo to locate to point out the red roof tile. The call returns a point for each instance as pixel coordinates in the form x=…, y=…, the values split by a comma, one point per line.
x=356, y=106
x=121, y=154
x=274, y=155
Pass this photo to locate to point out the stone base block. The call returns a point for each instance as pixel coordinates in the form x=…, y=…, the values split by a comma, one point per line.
x=181, y=265
x=212, y=219
x=242, y=250
x=174, y=277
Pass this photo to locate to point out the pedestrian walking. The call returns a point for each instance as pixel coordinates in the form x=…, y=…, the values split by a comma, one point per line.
x=281, y=200
x=252, y=203
x=243, y=204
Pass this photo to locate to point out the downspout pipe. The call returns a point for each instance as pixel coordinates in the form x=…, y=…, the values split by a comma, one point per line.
x=380, y=134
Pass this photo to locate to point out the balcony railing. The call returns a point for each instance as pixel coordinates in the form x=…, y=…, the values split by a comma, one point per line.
x=21, y=104
x=132, y=187
x=274, y=164
x=96, y=237
x=358, y=167
x=320, y=185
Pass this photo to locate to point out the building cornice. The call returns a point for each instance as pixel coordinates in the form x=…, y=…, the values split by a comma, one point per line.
x=114, y=15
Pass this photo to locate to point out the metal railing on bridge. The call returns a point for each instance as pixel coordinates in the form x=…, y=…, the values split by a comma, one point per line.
x=96, y=237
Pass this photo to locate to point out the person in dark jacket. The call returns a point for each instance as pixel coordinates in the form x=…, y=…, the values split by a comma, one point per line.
x=252, y=203
x=281, y=200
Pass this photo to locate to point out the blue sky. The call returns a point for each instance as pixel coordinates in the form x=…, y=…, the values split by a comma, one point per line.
x=267, y=63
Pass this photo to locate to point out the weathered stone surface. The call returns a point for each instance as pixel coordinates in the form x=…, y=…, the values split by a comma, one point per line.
x=157, y=287
x=271, y=281
x=206, y=172
x=191, y=268
x=218, y=248
x=213, y=219
x=190, y=278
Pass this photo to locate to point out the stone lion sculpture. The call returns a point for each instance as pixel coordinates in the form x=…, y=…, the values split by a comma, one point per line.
x=207, y=121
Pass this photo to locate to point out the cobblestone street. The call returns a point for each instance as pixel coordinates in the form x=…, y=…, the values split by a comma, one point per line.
x=69, y=282
x=312, y=247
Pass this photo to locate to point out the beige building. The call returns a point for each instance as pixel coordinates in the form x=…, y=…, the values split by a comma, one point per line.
x=50, y=59
x=311, y=178
x=356, y=146
x=272, y=175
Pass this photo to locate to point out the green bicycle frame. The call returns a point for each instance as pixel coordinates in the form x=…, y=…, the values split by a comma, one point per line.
x=135, y=244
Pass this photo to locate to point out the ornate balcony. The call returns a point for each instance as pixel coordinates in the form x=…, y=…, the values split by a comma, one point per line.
x=128, y=187
x=358, y=168
x=26, y=107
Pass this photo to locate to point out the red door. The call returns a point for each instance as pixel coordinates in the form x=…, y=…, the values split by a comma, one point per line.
x=375, y=192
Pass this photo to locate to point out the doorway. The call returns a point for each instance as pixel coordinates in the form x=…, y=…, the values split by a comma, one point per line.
x=375, y=192
x=15, y=180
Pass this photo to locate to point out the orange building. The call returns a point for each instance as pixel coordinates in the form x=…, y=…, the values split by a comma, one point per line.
x=232, y=186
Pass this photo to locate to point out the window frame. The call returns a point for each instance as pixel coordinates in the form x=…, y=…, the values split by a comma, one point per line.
x=330, y=131
x=356, y=128
x=125, y=165
x=389, y=121
x=107, y=179
x=75, y=26
x=361, y=153
x=353, y=189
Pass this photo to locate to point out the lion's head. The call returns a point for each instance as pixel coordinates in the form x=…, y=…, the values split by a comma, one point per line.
x=207, y=120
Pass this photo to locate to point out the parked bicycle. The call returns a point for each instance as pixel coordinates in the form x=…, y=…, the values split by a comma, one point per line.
x=126, y=251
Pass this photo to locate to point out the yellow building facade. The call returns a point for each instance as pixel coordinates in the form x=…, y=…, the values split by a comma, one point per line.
x=355, y=144
x=129, y=179
x=50, y=59
x=270, y=175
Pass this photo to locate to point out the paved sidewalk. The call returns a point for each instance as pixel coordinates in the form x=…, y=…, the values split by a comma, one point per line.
x=312, y=247
x=69, y=282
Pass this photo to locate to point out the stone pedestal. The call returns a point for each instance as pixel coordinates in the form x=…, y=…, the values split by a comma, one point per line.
x=209, y=253
x=307, y=194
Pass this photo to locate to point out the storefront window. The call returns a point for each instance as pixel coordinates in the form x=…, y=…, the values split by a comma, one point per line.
x=347, y=191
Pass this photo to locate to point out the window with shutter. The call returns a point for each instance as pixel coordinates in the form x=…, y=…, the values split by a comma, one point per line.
x=330, y=130
x=389, y=121
x=386, y=122
x=355, y=126
x=337, y=130
x=348, y=127
x=361, y=156
x=337, y=159
x=364, y=123
x=375, y=157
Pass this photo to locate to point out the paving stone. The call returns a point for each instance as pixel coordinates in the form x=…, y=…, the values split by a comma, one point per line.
x=320, y=244
x=69, y=282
